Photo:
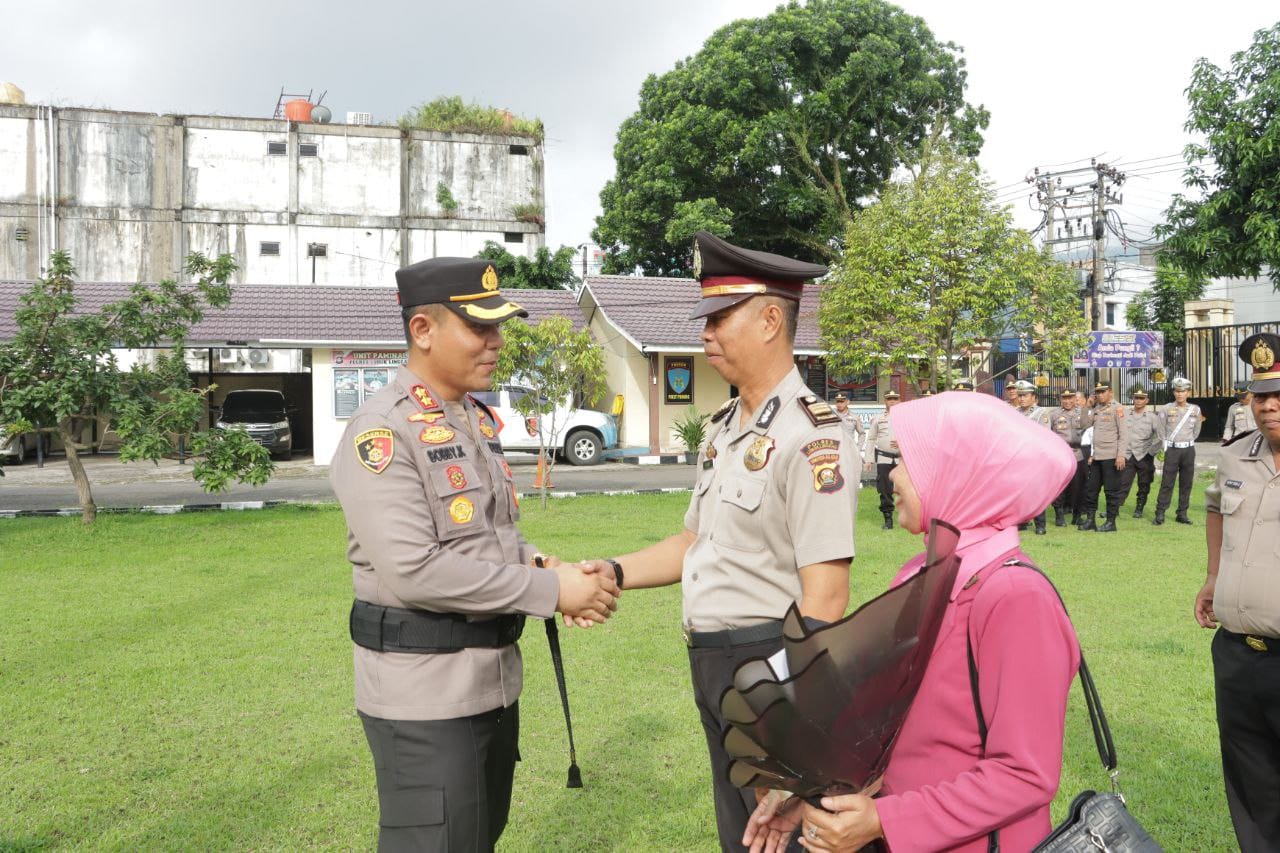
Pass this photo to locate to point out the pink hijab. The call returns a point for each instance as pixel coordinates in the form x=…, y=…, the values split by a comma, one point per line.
x=979, y=465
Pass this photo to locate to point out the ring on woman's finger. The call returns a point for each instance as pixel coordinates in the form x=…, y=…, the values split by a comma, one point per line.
x=812, y=832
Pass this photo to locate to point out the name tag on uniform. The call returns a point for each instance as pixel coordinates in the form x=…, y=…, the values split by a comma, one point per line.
x=1234, y=484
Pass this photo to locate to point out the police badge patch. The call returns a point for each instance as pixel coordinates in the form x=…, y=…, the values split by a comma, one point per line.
x=375, y=449
x=457, y=478
x=757, y=455
x=827, y=477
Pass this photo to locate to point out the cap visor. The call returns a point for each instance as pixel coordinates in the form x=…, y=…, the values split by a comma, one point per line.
x=1264, y=386
x=712, y=304
x=489, y=311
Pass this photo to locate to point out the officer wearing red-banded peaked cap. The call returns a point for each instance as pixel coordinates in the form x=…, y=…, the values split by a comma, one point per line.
x=466, y=286
x=1262, y=352
x=730, y=274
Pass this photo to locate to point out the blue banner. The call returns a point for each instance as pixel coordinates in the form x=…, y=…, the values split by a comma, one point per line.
x=1122, y=349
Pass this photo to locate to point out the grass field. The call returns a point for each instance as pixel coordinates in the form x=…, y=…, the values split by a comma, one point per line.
x=184, y=682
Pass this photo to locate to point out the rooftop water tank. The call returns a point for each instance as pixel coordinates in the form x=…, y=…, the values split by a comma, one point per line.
x=299, y=109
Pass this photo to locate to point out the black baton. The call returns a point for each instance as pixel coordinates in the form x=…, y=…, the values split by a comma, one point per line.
x=557, y=661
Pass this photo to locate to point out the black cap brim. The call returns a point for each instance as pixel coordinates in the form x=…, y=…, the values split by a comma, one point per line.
x=489, y=311
x=1264, y=386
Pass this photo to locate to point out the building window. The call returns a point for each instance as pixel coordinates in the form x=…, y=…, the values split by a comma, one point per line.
x=269, y=247
x=308, y=149
x=513, y=236
x=519, y=150
x=1111, y=314
x=277, y=148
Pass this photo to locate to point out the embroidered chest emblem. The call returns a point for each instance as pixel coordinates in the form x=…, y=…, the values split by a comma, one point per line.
x=457, y=479
x=461, y=510
x=436, y=435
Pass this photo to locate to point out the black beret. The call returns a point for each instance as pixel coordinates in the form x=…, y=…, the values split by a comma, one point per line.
x=466, y=286
x=730, y=274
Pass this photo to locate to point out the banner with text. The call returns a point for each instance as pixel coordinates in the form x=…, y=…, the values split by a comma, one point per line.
x=1122, y=349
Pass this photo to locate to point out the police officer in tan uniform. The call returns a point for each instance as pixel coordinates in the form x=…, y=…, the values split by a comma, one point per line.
x=1110, y=449
x=1027, y=403
x=1242, y=526
x=1180, y=426
x=851, y=420
x=443, y=579
x=770, y=523
x=882, y=451
x=963, y=385
x=1144, y=429
x=1068, y=422
x=1239, y=418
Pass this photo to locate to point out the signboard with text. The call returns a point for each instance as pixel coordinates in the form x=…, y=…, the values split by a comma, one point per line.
x=1122, y=349
x=369, y=358
x=677, y=379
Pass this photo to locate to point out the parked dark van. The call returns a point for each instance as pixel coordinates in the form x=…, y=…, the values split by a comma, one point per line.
x=263, y=414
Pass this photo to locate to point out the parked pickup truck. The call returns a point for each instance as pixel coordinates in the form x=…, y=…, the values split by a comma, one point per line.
x=582, y=435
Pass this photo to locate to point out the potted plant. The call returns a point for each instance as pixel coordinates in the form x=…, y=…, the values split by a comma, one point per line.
x=692, y=432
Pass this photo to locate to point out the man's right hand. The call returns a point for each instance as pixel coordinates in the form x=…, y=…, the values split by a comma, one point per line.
x=586, y=595
x=1204, y=604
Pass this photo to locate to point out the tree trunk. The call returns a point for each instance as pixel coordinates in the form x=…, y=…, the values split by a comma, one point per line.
x=88, y=509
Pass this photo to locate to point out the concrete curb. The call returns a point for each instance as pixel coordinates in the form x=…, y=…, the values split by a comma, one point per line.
x=239, y=506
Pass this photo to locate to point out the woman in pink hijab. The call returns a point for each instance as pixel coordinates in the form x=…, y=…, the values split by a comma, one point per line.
x=974, y=462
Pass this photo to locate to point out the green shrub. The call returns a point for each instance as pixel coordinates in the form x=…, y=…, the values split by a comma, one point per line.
x=450, y=114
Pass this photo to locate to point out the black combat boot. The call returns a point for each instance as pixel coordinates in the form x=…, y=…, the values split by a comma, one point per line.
x=1159, y=519
x=1024, y=526
x=1076, y=519
x=1110, y=526
x=1137, y=510
x=1087, y=524
x=1181, y=518
x=1059, y=518
x=1040, y=526
x=888, y=521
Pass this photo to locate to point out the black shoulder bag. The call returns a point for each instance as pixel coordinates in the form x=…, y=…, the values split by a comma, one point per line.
x=1096, y=821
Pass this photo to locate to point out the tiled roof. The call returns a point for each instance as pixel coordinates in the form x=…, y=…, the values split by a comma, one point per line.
x=655, y=311
x=301, y=314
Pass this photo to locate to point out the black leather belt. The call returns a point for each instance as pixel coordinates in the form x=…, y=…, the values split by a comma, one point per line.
x=1270, y=645
x=887, y=454
x=394, y=629
x=732, y=637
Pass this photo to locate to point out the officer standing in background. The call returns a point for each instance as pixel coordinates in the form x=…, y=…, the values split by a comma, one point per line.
x=1144, y=442
x=1011, y=392
x=882, y=451
x=443, y=579
x=1027, y=404
x=851, y=421
x=1239, y=415
x=1242, y=529
x=1110, y=447
x=770, y=523
x=1069, y=423
x=963, y=385
x=1180, y=425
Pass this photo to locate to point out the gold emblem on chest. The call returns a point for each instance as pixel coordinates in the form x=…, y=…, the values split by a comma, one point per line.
x=757, y=455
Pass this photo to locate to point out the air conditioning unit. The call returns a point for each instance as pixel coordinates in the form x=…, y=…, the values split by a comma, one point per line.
x=259, y=357
x=228, y=355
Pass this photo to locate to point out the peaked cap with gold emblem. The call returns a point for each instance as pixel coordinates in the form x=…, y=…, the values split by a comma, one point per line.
x=466, y=286
x=1262, y=353
x=730, y=274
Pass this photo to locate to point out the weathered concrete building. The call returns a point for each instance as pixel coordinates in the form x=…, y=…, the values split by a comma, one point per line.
x=130, y=194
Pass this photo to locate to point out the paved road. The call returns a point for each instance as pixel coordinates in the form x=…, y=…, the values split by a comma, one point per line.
x=143, y=484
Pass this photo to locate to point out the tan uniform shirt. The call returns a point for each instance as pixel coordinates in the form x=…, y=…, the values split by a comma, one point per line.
x=773, y=495
x=880, y=437
x=1239, y=421
x=852, y=423
x=431, y=514
x=1246, y=492
x=1110, y=436
x=1172, y=419
x=1066, y=425
x=1144, y=429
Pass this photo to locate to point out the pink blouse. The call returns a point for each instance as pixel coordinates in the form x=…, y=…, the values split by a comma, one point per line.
x=938, y=794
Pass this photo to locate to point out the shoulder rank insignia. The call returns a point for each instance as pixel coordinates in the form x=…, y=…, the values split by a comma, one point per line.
x=767, y=414
x=757, y=455
x=1257, y=445
x=1236, y=438
x=423, y=397
x=375, y=449
x=461, y=510
x=818, y=411
x=724, y=410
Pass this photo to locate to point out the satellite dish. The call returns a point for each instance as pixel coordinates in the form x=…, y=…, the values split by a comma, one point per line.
x=321, y=114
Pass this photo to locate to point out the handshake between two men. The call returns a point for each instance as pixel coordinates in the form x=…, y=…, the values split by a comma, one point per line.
x=589, y=590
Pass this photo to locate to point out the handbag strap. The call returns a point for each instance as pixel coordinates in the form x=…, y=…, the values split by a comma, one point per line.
x=1092, y=701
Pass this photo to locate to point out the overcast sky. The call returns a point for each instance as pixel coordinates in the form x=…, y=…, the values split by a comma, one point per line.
x=1064, y=80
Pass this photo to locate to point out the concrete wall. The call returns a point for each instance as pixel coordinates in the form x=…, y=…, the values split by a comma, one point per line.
x=130, y=194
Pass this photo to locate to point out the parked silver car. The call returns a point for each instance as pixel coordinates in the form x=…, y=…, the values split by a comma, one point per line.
x=16, y=449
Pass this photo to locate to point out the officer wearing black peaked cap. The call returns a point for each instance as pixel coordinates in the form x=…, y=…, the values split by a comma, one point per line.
x=443, y=578
x=1243, y=533
x=770, y=523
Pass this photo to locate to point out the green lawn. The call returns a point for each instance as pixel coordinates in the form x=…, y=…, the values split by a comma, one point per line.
x=185, y=682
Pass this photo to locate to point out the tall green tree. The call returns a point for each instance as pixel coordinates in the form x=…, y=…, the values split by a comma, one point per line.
x=776, y=129
x=60, y=372
x=561, y=366
x=546, y=270
x=1161, y=308
x=1232, y=228
x=934, y=268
